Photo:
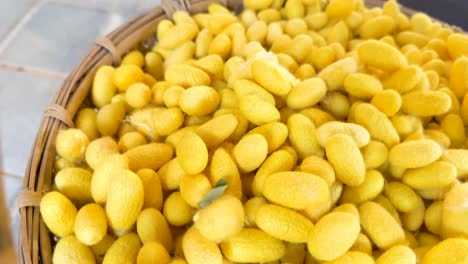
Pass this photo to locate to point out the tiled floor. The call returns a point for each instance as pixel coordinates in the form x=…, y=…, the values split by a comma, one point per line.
x=57, y=36
x=23, y=98
x=12, y=185
x=12, y=12
x=40, y=42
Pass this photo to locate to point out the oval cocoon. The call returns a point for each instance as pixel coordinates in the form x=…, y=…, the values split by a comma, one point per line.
x=353, y=257
x=415, y=153
x=103, y=88
x=368, y=116
x=295, y=190
x=357, y=132
x=103, y=173
x=124, y=200
x=282, y=223
x=186, y=75
x=142, y=157
x=58, y=213
x=199, y=100
x=71, y=250
x=152, y=226
x=75, y=183
x=333, y=235
x=417, y=102
x=436, y=175
x=271, y=77
x=250, y=152
x=252, y=245
x=153, y=252
x=258, y=111
x=99, y=149
x=71, y=144
x=91, y=224
x=217, y=130
x=453, y=250
x=389, y=58
x=345, y=157
x=192, y=153
x=380, y=226
x=199, y=250
x=275, y=134
x=221, y=219
x=397, y=254
x=455, y=212
x=124, y=250
x=369, y=189
x=280, y=160
x=403, y=198
x=302, y=136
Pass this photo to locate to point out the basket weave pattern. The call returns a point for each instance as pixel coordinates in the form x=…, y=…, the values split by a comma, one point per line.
x=35, y=244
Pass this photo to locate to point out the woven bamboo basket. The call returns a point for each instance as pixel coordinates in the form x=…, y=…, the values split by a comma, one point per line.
x=35, y=241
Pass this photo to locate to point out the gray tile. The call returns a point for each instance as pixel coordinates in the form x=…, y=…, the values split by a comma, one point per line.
x=12, y=186
x=58, y=36
x=23, y=99
x=145, y=5
x=11, y=11
x=126, y=8
x=14, y=227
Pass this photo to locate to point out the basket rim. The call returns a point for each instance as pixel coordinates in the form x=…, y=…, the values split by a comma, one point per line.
x=34, y=244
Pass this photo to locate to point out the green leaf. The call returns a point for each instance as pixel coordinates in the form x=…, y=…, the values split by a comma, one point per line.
x=221, y=182
x=214, y=193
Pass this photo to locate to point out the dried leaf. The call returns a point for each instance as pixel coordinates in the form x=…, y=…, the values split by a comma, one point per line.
x=214, y=193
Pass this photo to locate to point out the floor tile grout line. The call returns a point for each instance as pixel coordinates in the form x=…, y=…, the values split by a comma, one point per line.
x=23, y=21
x=35, y=71
x=8, y=174
x=77, y=4
x=91, y=7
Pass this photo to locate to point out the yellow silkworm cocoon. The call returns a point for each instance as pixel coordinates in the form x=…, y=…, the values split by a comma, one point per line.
x=457, y=45
x=301, y=191
x=327, y=240
x=282, y=223
x=186, y=75
x=345, y=157
x=389, y=59
x=192, y=153
x=372, y=215
x=271, y=77
x=388, y=102
x=252, y=245
x=375, y=154
x=334, y=74
x=340, y=8
x=72, y=144
x=377, y=27
x=199, y=100
x=369, y=189
x=307, y=93
x=415, y=103
x=301, y=134
x=359, y=134
x=319, y=167
x=362, y=86
x=368, y=116
x=221, y=219
x=250, y=152
x=436, y=175
x=415, y=154
x=454, y=212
